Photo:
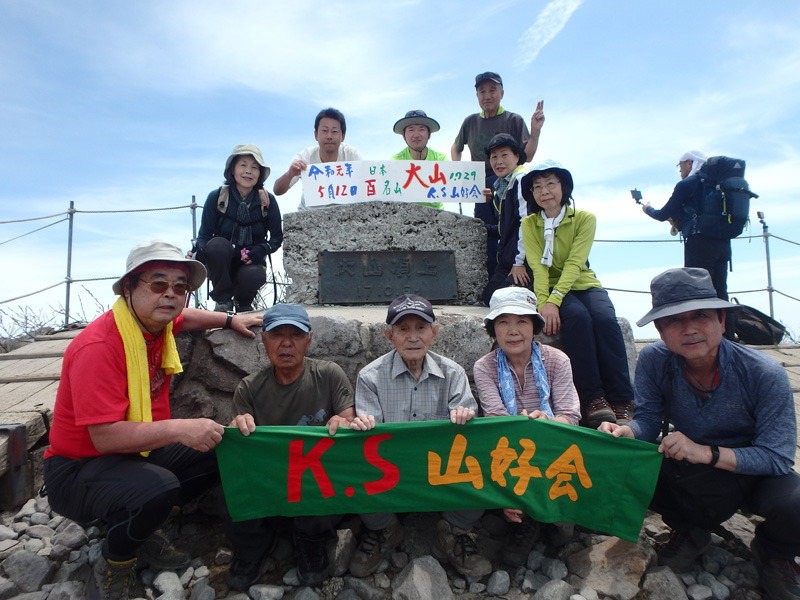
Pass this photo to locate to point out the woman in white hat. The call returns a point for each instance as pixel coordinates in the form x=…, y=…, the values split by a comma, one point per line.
x=241, y=226
x=523, y=377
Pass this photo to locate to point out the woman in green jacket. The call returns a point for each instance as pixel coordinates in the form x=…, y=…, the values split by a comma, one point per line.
x=557, y=239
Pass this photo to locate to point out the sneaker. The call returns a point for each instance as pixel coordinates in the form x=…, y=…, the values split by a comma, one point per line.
x=158, y=552
x=374, y=547
x=683, y=548
x=224, y=306
x=244, y=572
x=598, y=411
x=519, y=541
x=780, y=577
x=457, y=546
x=110, y=580
x=623, y=411
x=312, y=560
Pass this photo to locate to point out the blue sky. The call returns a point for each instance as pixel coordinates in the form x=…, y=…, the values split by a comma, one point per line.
x=137, y=105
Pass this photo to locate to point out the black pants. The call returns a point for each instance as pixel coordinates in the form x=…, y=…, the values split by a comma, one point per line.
x=701, y=496
x=593, y=341
x=713, y=255
x=502, y=279
x=230, y=277
x=132, y=494
x=252, y=538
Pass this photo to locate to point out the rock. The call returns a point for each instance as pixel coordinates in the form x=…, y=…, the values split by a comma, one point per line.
x=382, y=581
x=8, y=589
x=167, y=582
x=369, y=226
x=33, y=545
x=348, y=594
x=71, y=536
x=533, y=581
x=588, y=593
x=554, y=590
x=202, y=591
x=662, y=584
x=40, y=531
x=699, y=592
x=613, y=567
x=306, y=593
x=332, y=587
x=186, y=576
x=718, y=590
x=499, y=583
x=56, y=522
x=6, y=533
x=477, y=587
x=535, y=560
x=8, y=547
x=67, y=590
x=39, y=518
x=267, y=592
x=26, y=511
x=342, y=551
x=554, y=568
x=398, y=559
x=28, y=571
x=201, y=571
x=422, y=579
x=291, y=578
x=364, y=590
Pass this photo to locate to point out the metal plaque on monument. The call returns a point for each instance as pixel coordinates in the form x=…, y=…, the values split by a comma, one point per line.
x=381, y=276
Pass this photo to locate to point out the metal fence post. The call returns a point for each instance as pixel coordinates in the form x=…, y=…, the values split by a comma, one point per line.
x=193, y=207
x=71, y=213
x=766, y=235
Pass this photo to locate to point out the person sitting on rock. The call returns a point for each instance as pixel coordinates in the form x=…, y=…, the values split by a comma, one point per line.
x=115, y=452
x=292, y=390
x=557, y=239
x=523, y=377
x=735, y=433
x=241, y=226
x=410, y=383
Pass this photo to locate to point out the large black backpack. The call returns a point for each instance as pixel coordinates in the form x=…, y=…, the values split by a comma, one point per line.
x=724, y=206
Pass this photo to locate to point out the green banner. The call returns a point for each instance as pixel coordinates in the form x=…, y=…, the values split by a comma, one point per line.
x=552, y=471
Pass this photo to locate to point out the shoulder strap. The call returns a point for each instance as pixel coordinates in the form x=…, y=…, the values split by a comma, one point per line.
x=263, y=196
x=222, y=201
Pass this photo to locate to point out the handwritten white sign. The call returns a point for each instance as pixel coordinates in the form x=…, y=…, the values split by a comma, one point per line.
x=394, y=180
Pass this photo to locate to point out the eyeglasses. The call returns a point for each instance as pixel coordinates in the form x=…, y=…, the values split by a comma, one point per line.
x=159, y=286
x=551, y=186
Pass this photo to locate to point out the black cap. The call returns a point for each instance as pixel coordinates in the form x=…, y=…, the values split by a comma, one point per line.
x=488, y=76
x=409, y=304
x=502, y=140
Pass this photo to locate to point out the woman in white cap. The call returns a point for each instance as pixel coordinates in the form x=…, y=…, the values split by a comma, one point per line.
x=523, y=377
x=557, y=239
x=241, y=226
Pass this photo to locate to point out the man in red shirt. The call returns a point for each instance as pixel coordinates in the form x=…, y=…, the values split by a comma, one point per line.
x=115, y=452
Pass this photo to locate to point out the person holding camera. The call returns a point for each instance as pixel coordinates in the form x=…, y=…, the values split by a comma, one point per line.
x=241, y=225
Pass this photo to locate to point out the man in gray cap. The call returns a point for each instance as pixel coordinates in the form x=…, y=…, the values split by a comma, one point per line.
x=410, y=383
x=734, y=437
x=115, y=452
x=291, y=390
x=699, y=250
x=416, y=128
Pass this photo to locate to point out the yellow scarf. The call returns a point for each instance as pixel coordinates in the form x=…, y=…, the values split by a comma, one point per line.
x=139, y=409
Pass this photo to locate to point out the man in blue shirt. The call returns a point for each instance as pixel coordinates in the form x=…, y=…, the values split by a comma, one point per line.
x=734, y=435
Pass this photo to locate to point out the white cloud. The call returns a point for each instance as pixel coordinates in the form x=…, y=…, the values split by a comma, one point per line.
x=548, y=24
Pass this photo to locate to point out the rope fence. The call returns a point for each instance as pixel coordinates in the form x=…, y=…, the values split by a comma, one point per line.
x=68, y=280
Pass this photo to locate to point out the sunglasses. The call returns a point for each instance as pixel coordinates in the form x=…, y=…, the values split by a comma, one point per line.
x=160, y=286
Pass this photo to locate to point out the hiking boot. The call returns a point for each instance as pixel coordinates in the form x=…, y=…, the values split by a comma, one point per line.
x=110, y=580
x=244, y=572
x=457, y=546
x=223, y=306
x=244, y=308
x=519, y=541
x=312, y=560
x=780, y=577
x=374, y=547
x=598, y=411
x=623, y=411
x=683, y=548
x=159, y=553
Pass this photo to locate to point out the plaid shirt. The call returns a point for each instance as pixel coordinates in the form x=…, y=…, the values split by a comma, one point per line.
x=386, y=389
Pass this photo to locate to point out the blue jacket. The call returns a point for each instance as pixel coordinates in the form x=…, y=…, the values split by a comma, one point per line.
x=682, y=207
x=512, y=209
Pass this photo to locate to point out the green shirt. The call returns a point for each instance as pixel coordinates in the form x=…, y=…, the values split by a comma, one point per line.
x=405, y=154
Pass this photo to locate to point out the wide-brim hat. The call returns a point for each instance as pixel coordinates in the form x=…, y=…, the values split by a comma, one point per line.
x=514, y=301
x=156, y=250
x=546, y=166
x=242, y=150
x=286, y=314
x=506, y=140
x=416, y=117
x=682, y=290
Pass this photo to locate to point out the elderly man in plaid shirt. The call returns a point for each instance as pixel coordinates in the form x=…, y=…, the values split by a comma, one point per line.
x=410, y=383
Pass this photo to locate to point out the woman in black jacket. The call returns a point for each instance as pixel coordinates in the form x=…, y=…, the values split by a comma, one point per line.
x=241, y=225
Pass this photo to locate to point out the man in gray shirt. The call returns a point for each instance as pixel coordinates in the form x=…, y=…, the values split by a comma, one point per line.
x=734, y=436
x=410, y=383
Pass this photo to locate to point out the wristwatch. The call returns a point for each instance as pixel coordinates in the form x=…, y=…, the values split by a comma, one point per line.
x=714, y=455
x=229, y=319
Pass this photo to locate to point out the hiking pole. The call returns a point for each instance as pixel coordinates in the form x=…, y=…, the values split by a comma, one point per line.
x=766, y=234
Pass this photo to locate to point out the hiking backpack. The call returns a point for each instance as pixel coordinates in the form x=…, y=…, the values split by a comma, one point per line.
x=724, y=205
x=224, y=196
